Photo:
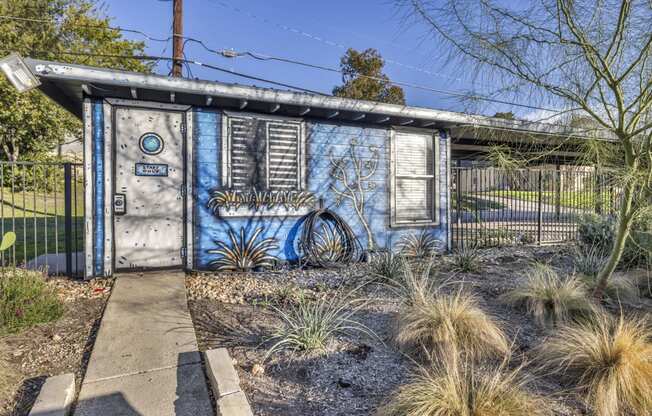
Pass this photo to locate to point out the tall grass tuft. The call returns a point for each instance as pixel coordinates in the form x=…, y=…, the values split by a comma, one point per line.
x=26, y=300
x=549, y=298
x=418, y=245
x=611, y=359
x=439, y=324
x=387, y=266
x=589, y=259
x=454, y=389
x=467, y=259
x=310, y=324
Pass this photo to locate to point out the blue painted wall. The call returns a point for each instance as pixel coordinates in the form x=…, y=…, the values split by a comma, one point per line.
x=98, y=187
x=322, y=138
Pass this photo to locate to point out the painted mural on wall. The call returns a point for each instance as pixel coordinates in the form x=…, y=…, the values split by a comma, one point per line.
x=357, y=154
x=244, y=253
x=352, y=174
x=228, y=200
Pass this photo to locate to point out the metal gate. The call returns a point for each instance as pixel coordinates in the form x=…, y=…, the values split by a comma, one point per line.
x=493, y=206
x=43, y=203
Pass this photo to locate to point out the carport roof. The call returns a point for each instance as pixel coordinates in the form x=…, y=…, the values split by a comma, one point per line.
x=68, y=84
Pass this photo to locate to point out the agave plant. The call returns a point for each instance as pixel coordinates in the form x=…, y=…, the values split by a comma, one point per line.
x=329, y=244
x=224, y=198
x=418, y=245
x=255, y=199
x=244, y=254
x=301, y=199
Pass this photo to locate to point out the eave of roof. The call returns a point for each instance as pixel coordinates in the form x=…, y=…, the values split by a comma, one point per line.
x=67, y=84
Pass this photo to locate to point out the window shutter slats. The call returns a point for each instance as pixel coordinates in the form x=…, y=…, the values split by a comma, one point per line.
x=283, y=151
x=264, y=153
x=414, y=178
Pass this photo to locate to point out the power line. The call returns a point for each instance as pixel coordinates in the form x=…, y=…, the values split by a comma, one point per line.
x=263, y=57
x=187, y=61
x=329, y=42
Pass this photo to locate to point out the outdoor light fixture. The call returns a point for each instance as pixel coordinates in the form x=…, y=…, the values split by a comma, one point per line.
x=18, y=73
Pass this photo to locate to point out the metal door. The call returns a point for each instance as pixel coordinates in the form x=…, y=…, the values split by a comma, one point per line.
x=149, y=188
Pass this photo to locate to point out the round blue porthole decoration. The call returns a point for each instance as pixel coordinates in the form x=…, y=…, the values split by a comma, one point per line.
x=151, y=144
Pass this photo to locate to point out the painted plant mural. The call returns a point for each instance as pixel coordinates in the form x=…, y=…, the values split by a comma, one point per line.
x=244, y=253
x=353, y=181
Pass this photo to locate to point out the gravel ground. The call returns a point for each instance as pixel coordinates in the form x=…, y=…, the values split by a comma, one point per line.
x=59, y=347
x=356, y=373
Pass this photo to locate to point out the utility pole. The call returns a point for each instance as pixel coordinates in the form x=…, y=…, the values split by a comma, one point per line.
x=177, y=38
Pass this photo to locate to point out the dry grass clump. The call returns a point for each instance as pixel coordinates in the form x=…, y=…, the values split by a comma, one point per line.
x=611, y=360
x=549, y=298
x=454, y=389
x=619, y=288
x=8, y=376
x=439, y=324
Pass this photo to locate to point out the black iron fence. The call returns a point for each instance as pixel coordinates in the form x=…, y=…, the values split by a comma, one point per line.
x=43, y=204
x=493, y=206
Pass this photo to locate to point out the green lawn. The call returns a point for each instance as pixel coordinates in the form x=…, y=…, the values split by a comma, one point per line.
x=576, y=199
x=39, y=223
x=470, y=203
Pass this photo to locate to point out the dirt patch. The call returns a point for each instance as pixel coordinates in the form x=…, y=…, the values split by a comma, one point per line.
x=357, y=373
x=59, y=347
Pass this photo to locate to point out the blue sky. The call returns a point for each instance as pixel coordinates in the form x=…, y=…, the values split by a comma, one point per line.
x=317, y=32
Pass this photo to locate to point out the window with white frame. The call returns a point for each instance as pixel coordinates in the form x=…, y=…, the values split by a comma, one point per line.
x=263, y=153
x=414, y=180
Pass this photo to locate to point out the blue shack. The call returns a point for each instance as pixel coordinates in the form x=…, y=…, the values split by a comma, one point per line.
x=185, y=173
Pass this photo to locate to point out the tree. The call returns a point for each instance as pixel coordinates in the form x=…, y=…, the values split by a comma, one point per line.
x=583, y=57
x=506, y=115
x=31, y=124
x=363, y=78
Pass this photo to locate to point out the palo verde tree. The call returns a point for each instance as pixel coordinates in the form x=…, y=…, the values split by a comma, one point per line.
x=363, y=78
x=61, y=30
x=583, y=57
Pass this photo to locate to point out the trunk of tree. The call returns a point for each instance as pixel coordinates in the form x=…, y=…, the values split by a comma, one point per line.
x=624, y=224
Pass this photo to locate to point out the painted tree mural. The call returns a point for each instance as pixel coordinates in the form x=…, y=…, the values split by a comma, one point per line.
x=352, y=174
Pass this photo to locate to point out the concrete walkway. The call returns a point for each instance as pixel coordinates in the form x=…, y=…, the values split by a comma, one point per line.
x=145, y=359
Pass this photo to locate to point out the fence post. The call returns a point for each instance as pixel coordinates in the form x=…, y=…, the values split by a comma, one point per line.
x=67, y=178
x=540, y=209
x=558, y=185
x=597, y=192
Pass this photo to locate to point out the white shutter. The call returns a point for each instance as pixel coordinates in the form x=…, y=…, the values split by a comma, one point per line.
x=242, y=141
x=264, y=153
x=283, y=155
x=414, y=178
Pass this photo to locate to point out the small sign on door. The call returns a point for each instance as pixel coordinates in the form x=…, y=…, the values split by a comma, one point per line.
x=151, y=169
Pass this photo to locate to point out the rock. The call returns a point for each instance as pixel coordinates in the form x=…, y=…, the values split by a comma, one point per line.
x=257, y=370
x=345, y=383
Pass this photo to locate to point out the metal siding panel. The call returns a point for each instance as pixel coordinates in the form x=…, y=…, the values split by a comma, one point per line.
x=88, y=188
x=98, y=187
x=108, y=187
x=190, y=190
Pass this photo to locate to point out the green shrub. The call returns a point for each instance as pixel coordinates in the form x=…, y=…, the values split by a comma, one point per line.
x=638, y=250
x=597, y=231
x=26, y=300
x=589, y=259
